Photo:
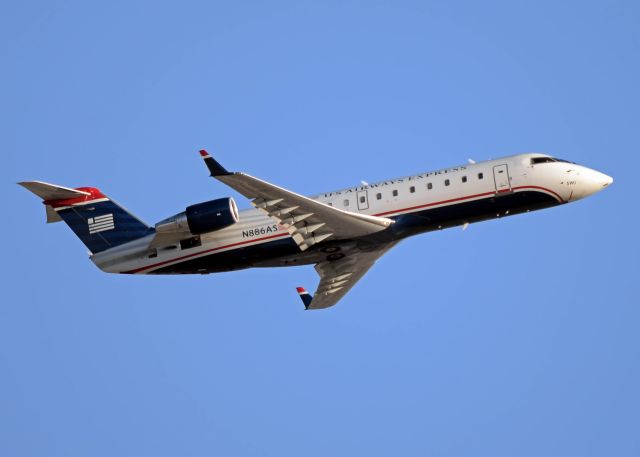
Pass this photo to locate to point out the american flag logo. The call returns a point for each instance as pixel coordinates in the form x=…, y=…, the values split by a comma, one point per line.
x=100, y=223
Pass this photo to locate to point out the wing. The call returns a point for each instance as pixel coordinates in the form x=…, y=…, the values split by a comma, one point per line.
x=308, y=221
x=337, y=277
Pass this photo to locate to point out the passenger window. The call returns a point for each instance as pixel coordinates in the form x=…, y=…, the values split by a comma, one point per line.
x=447, y=182
x=412, y=189
x=464, y=179
x=395, y=193
x=346, y=203
x=480, y=175
x=429, y=186
x=362, y=199
x=379, y=196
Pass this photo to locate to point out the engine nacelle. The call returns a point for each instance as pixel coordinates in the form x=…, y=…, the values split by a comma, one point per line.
x=212, y=215
x=202, y=218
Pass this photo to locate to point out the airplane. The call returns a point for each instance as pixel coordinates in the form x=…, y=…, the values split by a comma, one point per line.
x=343, y=233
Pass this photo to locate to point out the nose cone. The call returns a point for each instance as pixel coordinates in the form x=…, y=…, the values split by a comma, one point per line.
x=598, y=180
x=593, y=181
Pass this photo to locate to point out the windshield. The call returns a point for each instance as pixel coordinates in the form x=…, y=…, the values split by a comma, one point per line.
x=536, y=160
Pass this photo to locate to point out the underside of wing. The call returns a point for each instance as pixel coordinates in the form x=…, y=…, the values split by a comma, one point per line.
x=337, y=277
x=308, y=221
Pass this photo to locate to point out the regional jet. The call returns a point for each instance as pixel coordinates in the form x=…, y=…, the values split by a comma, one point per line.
x=342, y=232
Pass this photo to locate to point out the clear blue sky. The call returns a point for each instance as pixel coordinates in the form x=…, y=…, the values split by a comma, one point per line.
x=516, y=337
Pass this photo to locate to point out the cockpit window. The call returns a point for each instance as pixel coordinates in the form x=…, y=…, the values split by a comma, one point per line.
x=536, y=160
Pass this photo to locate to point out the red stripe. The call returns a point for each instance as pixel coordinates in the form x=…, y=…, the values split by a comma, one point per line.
x=468, y=197
x=240, y=243
x=435, y=203
x=94, y=194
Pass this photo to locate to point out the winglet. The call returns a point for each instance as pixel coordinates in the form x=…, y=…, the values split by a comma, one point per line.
x=305, y=296
x=212, y=164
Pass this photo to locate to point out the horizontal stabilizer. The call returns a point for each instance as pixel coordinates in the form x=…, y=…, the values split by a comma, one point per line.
x=48, y=191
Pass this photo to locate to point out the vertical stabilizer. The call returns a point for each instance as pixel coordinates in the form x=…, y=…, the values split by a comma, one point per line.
x=98, y=221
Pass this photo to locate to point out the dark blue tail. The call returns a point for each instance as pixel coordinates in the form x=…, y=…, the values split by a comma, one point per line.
x=97, y=220
x=103, y=225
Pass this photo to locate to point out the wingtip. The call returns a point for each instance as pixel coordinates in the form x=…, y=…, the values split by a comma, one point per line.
x=304, y=296
x=215, y=169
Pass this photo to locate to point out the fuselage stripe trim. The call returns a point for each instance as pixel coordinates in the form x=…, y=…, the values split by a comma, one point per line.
x=560, y=199
x=469, y=197
x=240, y=243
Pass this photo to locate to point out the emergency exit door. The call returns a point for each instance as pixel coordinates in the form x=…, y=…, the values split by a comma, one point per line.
x=501, y=178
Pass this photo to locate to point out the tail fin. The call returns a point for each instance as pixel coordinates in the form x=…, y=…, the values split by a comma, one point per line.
x=96, y=219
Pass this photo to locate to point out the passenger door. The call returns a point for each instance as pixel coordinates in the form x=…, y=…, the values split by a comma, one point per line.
x=501, y=178
x=363, y=199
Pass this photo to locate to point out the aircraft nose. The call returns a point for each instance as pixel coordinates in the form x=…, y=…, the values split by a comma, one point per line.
x=593, y=181
x=600, y=180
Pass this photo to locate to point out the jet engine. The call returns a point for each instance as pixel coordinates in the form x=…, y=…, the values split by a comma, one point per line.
x=201, y=218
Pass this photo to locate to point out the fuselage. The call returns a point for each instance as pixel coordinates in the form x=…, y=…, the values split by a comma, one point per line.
x=418, y=203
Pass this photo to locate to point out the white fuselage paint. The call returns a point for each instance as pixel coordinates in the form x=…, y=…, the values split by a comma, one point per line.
x=563, y=181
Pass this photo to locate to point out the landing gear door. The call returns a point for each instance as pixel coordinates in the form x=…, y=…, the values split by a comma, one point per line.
x=501, y=178
x=363, y=200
